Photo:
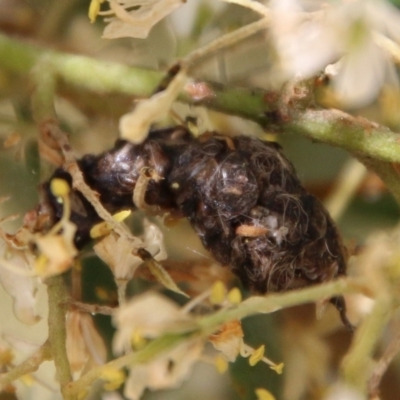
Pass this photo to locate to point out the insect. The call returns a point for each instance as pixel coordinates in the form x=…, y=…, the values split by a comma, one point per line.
x=241, y=195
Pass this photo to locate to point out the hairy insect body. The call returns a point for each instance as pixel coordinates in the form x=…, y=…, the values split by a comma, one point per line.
x=241, y=195
x=250, y=210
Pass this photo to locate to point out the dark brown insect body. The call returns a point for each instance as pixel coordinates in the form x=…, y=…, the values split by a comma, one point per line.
x=241, y=195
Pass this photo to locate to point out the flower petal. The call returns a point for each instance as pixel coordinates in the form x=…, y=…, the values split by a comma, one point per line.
x=137, y=23
x=116, y=252
x=21, y=288
x=152, y=315
x=135, y=126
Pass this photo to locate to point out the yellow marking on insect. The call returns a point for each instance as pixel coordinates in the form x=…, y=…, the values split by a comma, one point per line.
x=175, y=185
x=251, y=230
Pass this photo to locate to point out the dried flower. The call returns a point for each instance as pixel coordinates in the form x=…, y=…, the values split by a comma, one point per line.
x=228, y=340
x=116, y=251
x=85, y=347
x=57, y=250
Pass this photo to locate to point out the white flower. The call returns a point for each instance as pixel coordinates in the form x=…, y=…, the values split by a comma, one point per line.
x=147, y=317
x=305, y=45
x=57, y=251
x=116, y=251
x=167, y=371
x=229, y=340
x=154, y=241
x=18, y=283
x=137, y=22
x=348, y=30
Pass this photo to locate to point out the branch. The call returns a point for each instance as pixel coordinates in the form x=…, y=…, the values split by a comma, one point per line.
x=374, y=145
x=208, y=324
x=89, y=308
x=57, y=330
x=79, y=71
x=357, y=135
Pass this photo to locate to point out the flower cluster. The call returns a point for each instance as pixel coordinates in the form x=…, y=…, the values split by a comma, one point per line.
x=309, y=35
x=151, y=316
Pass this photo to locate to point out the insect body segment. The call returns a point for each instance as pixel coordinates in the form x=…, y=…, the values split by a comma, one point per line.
x=241, y=195
x=251, y=212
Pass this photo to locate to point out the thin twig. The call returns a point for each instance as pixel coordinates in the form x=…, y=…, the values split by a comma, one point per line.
x=28, y=366
x=253, y=5
x=224, y=41
x=347, y=182
x=358, y=360
x=89, y=308
x=382, y=365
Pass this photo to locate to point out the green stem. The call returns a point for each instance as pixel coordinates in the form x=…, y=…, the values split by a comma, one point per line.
x=57, y=296
x=44, y=81
x=150, y=352
x=357, y=365
x=210, y=323
x=276, y=301
x=356, y=135
x=82, y=72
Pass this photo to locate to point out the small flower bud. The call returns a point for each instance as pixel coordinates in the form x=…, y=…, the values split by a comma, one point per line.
x=235, y=296
x=218, y=293
x=264, y=394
